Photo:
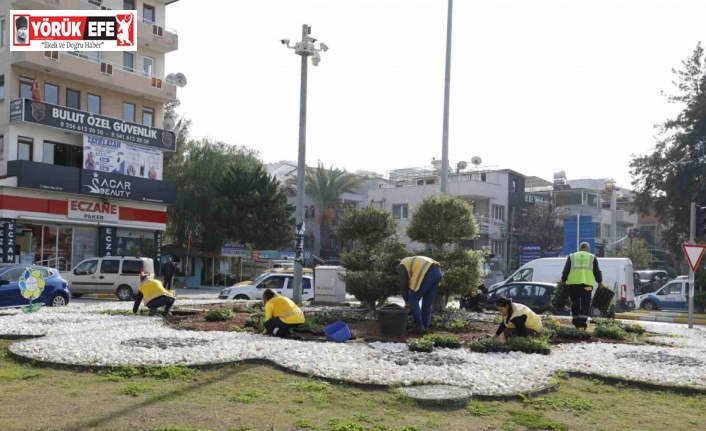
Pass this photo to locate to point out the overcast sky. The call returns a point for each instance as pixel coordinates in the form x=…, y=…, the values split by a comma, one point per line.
x=536, y=86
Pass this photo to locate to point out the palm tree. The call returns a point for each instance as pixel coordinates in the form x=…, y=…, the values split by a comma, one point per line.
x=325, y=187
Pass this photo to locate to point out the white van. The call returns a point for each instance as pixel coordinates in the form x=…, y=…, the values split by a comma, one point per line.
x=617, y=275
x=119, y=275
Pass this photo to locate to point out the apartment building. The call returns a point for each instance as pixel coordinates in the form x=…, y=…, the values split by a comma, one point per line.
x=81, y=171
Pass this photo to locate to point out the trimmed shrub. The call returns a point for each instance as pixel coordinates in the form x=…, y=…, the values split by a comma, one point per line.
x=219, y=314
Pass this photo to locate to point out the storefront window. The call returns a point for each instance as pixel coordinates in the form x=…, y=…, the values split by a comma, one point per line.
x=84, y=243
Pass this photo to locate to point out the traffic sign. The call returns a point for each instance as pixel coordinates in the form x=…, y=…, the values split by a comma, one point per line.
x=694, y=253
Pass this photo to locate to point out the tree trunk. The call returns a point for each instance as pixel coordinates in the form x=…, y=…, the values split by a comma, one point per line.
x=440, y=303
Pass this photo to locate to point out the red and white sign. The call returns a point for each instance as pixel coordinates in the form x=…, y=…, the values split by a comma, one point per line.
x=95, y=211
x=694, y=253
x=73, y=30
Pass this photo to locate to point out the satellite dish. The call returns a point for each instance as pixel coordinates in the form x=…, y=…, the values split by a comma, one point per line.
x=171, y=78
x=180, y=79
x=461, y=166
x=168, y=124
x=476, y=160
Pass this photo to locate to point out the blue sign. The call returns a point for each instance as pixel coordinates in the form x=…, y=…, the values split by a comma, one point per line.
x=269, y=254
x=234, y=250
x=528, y=252
x=586, y=233
x=287, y=254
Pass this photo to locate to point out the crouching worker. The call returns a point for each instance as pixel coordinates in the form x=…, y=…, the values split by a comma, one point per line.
x=281, y=314
x=154, y=295
x=518, y=320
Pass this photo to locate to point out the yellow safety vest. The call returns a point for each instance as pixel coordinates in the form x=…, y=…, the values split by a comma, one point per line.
x=581, y=269
x=533, y=321
x=417, y=268
x=152, y=289
x=285, y=309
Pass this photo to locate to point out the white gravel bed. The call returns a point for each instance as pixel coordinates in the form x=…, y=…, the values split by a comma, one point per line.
x=81, y=335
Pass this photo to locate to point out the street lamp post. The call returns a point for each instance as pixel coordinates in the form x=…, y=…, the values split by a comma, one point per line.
x=305, y=48
x=447, y=89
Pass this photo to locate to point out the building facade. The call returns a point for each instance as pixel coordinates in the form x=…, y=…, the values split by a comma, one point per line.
x=81, y=169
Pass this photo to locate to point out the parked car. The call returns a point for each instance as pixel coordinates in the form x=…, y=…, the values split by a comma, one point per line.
x=536, y=295
x=306, y=271
x=671, y=295
x=56, y=289
x=651, y=280
x=281, y=282
x=119, y=275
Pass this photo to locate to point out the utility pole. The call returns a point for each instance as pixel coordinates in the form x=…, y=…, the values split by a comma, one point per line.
x=447, y=88
x=305, y=49
x=692, y=236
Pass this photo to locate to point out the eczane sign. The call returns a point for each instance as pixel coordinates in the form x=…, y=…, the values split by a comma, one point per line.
x=96, y=211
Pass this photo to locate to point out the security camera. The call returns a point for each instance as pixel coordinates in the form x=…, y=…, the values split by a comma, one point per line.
x=285, y=41
x=316, y=58
x=310, y=39
x=324, y=48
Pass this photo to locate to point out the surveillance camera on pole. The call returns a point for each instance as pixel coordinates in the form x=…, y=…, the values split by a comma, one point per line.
x=305, y=48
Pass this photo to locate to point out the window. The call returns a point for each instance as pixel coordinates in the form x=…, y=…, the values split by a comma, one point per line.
x=276, y=283
x=2, y=88
x=62, y=154
x=26, y=87
x=73, y=99
x=498, y=212
x=523, y=275
x=2, y=147
x=24, y=148
x=86, y=268
x=148, y=116
x=94, y=56
x=3, y=36
x=513, y=186
x=110, y=267
x=400, y=212
x=483, y=177
x=148, y=14
x=498, y=248
x=13, y=275
x=129, y=112
x=508, y=292
x=129, y=61
x=306, y=283
x=148, y=66
x=94, y=104
x=128, y=4
x=51, y=93
x=133, y=267
x=312, y=212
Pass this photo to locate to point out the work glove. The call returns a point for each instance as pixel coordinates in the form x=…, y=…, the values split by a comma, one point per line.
x=588, y=288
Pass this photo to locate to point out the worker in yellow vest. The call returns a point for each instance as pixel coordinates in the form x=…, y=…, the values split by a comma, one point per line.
x=154, y=295
x=419, y=281
x=281, y=314
x=518, y=320
x=580, y=274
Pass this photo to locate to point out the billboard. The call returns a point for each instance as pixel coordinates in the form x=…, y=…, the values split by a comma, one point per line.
x=115, y=157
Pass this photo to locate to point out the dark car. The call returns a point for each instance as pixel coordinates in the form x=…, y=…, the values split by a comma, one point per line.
x=535, y=295
x=18, y=282
x=650, y=280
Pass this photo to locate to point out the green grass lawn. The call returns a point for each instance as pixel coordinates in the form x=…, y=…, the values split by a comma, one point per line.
x=251, y=397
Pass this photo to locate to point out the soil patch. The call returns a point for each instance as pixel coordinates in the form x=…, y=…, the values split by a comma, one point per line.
x=194, y=318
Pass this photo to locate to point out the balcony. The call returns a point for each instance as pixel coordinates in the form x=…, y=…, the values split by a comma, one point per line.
x=625, y=218
x=39, y=4
x=156, y=37
x=79, y=67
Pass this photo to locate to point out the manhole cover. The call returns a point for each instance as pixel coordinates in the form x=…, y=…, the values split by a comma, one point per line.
x=164, y=343
x=438, y=394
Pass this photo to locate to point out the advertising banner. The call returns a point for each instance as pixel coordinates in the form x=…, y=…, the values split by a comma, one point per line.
x=74, y=120
x=115, y=157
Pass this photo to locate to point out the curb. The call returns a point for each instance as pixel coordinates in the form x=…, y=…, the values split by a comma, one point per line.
x=648, y=318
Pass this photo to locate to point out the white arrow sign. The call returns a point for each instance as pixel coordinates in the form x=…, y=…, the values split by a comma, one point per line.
x=694, y=253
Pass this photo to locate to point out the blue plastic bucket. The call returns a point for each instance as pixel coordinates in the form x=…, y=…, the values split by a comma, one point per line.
x=337, y=332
